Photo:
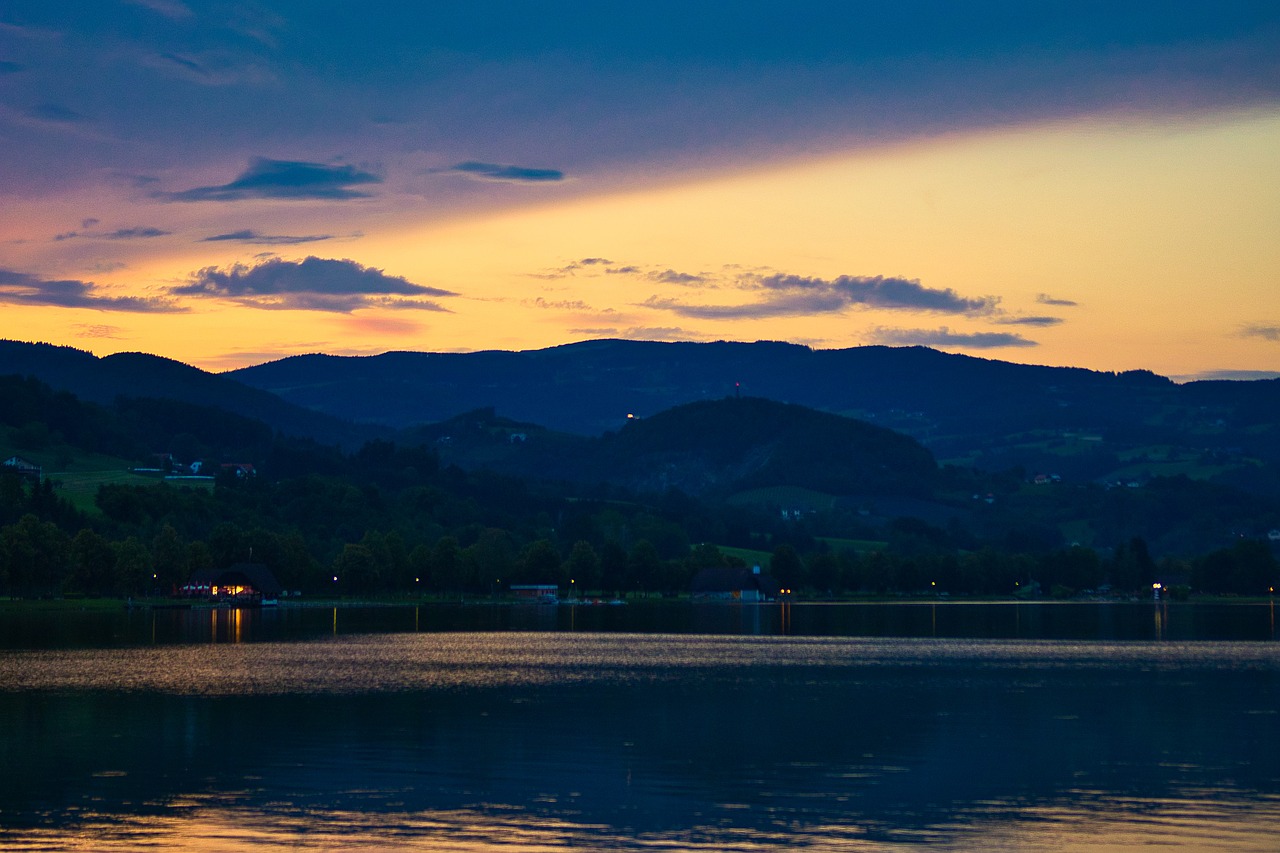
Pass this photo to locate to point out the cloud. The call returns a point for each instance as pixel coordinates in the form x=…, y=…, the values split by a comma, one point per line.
x=253, y=237
x=572, y=267
x=782, y=307
x=559, y=305
x=1228, y=375
x=169, y=8
x=313, y=284
x=55, y=114
x=382, y=326
x=1046, y=299
x=284, y=179
x=641, y=333
x=18, y=288
x=944, y=337
x=118, y=234
x=505, y=174
x=670, y=276
x=185, y=63
x=7, y=67
x=876, y=292
x=1267, y=333
x=795, y=296
x=1029, y=321
x=628, y=270
x=97, y=330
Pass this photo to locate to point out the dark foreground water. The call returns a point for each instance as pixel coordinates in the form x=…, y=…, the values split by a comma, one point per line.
x=867, y=727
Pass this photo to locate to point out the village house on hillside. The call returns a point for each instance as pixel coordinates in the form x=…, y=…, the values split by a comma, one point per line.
x=23, y=468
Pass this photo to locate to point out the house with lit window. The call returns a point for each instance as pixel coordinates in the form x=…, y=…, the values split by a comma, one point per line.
x=243, y=583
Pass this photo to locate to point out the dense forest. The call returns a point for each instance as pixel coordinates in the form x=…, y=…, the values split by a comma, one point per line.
x=829, y=505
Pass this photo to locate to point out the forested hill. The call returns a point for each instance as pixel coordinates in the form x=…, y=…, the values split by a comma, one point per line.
x=710, y=449
x=735, y=444
x=142, y=376
x=1081, y=424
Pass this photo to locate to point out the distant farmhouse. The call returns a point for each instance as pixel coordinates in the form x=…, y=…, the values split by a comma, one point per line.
x=23, y=468
x=728, y=583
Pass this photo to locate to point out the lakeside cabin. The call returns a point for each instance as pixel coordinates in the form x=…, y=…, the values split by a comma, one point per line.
x=536, y=593
x=243, y=583
x=734, y=584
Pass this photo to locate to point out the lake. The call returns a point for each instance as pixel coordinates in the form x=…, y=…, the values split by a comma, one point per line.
x=841, y=727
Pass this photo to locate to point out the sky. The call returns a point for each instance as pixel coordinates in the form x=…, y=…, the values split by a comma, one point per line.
x=227, y=183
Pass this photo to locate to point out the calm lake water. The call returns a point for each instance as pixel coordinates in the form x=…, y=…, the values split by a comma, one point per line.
x=484, y=728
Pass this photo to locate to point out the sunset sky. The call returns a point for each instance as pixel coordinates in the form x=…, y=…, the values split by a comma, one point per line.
x=225, y=183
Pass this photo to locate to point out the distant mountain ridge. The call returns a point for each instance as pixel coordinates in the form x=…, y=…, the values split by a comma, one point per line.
x=975, y=410
x=139, y=375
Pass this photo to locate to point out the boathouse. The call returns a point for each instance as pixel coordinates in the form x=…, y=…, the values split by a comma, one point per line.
x=734, y=583
x=243, y=582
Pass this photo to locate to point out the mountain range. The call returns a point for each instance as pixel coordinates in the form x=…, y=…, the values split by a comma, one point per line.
x=1075, y=423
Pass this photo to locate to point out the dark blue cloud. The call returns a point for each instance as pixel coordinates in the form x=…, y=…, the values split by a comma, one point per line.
x=7, y=67
x=670, y=276
x=887, y=292
x=798, y=296
x=1028, y=321
x=185, y=63
x=284, y=179
x=944, y=337
x=1046, y=299
x=118, y=234
x=1230, y=375
x=254, y=238
x=55, y=114
x=313, y=284
x=506, y=174
x=1267, y=333
x=18, y=288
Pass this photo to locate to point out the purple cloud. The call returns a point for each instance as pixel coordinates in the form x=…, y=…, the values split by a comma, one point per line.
x=18, y=288
x=284, y=179
x=313, y=284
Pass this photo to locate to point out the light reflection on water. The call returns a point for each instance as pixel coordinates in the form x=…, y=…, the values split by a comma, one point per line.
x=492, y=741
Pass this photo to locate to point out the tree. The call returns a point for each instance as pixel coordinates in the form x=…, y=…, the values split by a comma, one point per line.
x=169, y=554
x=583, y=566
x=445, y=565
x=133, y=567
x=1132, y=567
x=644, y=566
x=540, y=563
x=1247, y=568
x=613, y=567
x=356, y=570
x=93, y=565
x=33, y=555
x=786, y=567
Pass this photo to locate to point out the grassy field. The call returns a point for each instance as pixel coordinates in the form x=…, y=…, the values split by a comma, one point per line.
x=859, y=545
x=787, y=497
x=80, y=487
x=748, y=556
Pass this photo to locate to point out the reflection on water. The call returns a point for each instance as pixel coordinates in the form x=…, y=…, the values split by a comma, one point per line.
x=1146, y=621
x=543, y=741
